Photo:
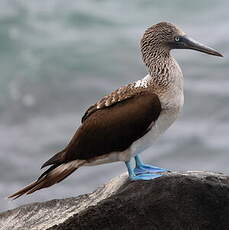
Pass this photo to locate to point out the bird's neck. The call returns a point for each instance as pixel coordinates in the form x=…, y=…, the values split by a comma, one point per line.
x=163, y=68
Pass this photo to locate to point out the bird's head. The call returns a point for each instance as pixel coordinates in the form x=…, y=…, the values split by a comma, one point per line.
x=165, y=36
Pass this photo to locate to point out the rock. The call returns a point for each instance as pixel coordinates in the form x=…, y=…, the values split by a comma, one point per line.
x=187, y=201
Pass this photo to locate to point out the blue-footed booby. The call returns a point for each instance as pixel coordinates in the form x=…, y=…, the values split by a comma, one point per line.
x=127, y=121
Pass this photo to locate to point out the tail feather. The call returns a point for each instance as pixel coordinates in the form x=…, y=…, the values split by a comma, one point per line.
x=53, y=175
x=56, y=159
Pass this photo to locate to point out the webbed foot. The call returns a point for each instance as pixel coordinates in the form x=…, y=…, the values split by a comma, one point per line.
x=142, y=169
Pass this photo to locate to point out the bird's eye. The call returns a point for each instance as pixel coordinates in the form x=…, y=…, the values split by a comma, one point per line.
x=177, y=39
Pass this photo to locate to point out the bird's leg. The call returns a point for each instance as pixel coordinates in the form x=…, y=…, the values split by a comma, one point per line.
x=142, y=168
x=133, y=176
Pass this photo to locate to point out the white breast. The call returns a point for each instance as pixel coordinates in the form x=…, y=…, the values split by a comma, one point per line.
x=164, y=121
x=171, y=107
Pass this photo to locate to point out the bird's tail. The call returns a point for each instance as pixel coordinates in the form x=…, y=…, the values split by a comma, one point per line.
x=53, y=175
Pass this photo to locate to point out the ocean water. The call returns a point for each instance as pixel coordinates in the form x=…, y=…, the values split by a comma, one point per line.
x=58, y=57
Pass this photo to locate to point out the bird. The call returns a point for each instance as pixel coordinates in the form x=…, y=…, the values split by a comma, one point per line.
x=127, y=121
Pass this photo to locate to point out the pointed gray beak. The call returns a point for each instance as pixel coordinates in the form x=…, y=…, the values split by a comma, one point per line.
x=189, y=43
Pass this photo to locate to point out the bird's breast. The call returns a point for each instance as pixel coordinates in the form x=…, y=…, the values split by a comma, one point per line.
x=164, y=121
x=171, y=108
x=173, y=98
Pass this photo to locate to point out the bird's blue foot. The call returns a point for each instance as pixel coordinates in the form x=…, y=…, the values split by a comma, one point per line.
x=144, y=176
x=143, y=168
x=148, y=169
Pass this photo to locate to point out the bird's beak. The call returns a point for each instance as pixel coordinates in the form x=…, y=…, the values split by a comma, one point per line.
x=189, y=43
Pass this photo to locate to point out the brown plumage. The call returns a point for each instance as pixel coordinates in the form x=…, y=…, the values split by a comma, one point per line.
x=125, y=117
x=99, y=135
x=53, y=175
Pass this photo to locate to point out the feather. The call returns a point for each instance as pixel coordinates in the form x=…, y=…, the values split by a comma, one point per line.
x=53, y=175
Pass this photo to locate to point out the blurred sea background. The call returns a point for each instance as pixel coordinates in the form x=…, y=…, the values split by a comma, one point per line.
x=59, y=57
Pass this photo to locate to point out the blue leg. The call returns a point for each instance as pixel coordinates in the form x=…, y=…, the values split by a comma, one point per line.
x=143, y=168
x=133, y=176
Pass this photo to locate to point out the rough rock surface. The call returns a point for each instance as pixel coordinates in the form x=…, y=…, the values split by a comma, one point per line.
x=187, y=201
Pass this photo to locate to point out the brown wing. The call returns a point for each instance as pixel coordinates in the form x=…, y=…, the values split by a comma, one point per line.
x=114, y=128
x=115, y=97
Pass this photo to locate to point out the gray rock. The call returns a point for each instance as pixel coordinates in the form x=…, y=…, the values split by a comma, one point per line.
x=187, y=201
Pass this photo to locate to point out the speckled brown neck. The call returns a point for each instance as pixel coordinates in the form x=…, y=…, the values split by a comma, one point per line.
x=161, y=66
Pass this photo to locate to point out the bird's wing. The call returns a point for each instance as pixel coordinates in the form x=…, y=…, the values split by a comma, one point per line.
x=112, y=124
x=110, y=129
x=115, y=127
x=115, y=97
